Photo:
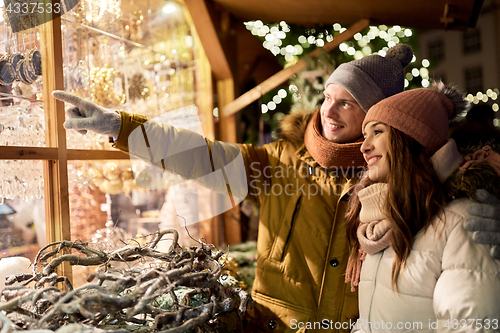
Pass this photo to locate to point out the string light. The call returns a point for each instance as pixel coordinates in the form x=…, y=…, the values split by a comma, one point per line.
x=274, y=34
x=424, y=72
x=483, y=97
x=275, y=40
x=282, y=93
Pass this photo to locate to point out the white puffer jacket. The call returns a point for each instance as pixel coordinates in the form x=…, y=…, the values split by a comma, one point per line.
x=450, y=283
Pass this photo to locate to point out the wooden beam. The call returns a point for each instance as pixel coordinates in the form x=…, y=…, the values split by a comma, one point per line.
x=56, y=192
x=280, y=77
x=82, y=155
x=225, y=92
x=47, y=153
x=27, y=153
x=209, y=38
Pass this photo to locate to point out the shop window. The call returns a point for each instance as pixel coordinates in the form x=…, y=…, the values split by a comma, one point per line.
x=120, y=56
x=472, y=41
x=436, y=50
x=22, y=125
x=474, y=79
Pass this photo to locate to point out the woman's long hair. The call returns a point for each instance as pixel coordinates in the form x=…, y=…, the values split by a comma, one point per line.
x=415, y=196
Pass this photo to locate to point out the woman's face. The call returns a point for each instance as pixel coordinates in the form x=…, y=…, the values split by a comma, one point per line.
x=374, y=150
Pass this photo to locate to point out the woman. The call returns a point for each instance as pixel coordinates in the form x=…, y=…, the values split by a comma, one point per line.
x=421, y=270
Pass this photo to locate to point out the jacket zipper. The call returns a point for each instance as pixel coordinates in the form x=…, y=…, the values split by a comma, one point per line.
x=368, y=329
x=291, y=227
x=320, y=296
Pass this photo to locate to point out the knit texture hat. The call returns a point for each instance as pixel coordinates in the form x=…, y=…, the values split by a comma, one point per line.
x=373, y=78
x=423, y=114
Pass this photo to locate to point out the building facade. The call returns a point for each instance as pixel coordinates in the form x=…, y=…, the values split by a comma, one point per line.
x=470, y=59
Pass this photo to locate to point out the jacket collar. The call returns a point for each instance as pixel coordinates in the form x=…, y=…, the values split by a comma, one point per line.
x=446, y=160
x=293, y=127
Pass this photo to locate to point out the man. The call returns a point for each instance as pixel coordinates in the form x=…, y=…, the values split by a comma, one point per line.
x=302, y=184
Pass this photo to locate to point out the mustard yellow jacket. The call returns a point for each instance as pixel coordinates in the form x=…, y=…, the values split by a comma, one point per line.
x=302, y=247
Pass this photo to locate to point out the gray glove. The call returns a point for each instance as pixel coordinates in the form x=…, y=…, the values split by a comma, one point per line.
x=485, y=221
x=87, y=115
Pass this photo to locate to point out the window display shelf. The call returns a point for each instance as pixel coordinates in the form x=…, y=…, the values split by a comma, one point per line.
x=128, y=41
x=28, y=251
x=4, y=96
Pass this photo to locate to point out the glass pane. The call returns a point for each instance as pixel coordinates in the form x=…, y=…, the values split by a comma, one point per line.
x=22, y=208
x=100, y=190
x=149, y=66
x=21, y=178
x=103, y=191
x=22, y=121
x=98, y=15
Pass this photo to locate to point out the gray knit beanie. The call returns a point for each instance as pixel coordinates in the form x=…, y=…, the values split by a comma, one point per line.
x=373, y=78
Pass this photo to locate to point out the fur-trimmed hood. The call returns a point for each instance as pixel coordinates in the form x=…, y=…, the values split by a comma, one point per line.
x=293, y=127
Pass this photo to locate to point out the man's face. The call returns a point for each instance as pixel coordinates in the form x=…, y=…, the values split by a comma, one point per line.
x=341, y=116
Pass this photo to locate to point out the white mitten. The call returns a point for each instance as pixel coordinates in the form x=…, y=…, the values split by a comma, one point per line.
x=87, y=115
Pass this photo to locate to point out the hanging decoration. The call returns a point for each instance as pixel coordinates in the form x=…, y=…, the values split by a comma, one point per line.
x=107, y=86
x=21, y=62
x=109, y=238
x=139, y=87
x=110, y=178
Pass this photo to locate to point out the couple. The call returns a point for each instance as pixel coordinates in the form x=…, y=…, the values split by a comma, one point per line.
x=302, y=247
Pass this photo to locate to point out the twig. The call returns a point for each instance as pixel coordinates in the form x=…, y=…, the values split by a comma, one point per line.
x=119, y=295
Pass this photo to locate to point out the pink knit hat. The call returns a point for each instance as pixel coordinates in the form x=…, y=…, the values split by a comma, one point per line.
x=423, y=114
